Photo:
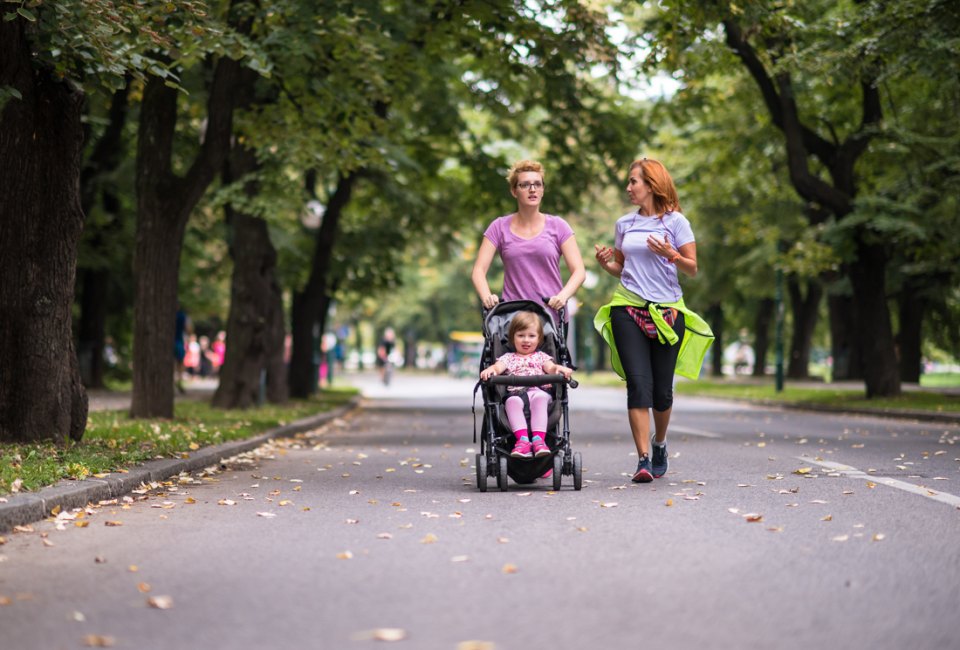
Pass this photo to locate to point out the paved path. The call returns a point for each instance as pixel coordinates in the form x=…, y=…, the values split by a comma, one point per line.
x=371, y=528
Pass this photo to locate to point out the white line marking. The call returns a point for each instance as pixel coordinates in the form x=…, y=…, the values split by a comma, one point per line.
x=853, y=472
x=692, y=432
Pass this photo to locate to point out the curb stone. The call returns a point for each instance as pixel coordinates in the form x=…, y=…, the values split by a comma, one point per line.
x=29, y=507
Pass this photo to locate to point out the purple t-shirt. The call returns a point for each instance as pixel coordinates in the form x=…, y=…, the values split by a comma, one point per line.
x=644, y=272
x=531, y=267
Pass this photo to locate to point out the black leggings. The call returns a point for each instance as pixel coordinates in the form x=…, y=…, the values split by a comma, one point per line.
x=647, y=363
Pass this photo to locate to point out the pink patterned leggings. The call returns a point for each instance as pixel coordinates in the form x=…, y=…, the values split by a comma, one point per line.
x=539, y=401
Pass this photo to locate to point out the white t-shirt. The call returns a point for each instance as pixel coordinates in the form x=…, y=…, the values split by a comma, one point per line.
x=644, y=272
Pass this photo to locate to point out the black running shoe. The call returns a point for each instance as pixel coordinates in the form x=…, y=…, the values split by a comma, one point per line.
x=643, y=473
x=659, y=460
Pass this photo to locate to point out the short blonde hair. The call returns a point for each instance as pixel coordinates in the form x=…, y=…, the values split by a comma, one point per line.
x=524, y=166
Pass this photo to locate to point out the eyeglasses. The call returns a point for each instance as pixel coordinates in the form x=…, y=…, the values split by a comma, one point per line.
x=526, y=185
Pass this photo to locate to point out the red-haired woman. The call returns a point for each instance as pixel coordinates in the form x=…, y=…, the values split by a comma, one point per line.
x=651, y=332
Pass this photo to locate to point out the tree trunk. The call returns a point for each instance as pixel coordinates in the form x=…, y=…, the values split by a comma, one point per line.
x=92, y=325
x=911, y=308
x=255, y=325
x=164, y=204
x=843, y=338
x=41, y=394
x=309, y=306
x=880, y=366
x=761, y=339
x=94, y=283
x=805, y=311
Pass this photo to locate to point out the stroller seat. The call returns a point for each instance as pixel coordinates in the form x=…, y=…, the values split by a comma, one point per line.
x=497, y=437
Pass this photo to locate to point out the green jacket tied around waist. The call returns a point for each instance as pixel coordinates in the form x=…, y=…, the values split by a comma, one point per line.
x=697, y=335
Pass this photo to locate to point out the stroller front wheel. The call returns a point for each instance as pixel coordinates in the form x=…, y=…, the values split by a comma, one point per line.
x=557, y=471
x=481, y=472
x=577, y=471
x=502, y=474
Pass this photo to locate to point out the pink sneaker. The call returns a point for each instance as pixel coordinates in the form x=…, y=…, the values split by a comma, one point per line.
x=522, y=449
x=540, y=448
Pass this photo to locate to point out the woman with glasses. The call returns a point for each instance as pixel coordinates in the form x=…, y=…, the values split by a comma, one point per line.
x=651, y=332
x=530, y=244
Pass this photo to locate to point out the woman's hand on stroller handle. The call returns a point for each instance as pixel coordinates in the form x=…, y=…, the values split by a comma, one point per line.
x=554, y=302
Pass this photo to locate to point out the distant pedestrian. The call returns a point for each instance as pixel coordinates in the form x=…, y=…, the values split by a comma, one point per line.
x=181, y=327
x=650, y=330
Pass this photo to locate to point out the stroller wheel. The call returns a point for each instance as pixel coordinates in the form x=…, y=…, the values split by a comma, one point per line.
x=481, y=472
x=502, y=474
x=577, y=471
x=557, y=470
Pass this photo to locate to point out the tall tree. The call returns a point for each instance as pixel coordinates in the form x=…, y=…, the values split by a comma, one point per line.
x=41, y=395
x=165, y=200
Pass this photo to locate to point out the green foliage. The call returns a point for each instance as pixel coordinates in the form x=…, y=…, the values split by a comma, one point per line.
x=99, y=42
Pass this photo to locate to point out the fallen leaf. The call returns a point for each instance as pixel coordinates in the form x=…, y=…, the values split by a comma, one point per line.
x=841, y=538
x=5, y=600
x=143, y=587
x=871, y=484
x=818, y=501
x=609, y=504
x=384, y=536
x=190, y=500
x=47, y=542
x=503, y=540
x=346, y=555
x=226, y=502
x=803, y=470
x=160, y=602
x=669, y=502
x=113, y=523
x=510, y=568
x=429, y=538
x=475, y=645
x=98, y=641
x=389, y=634
x=827, y=518
x=56, y=510
x=879, y=537
x=753, y=517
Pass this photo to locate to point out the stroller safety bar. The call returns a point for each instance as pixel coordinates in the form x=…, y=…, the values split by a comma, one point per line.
x=531, y=380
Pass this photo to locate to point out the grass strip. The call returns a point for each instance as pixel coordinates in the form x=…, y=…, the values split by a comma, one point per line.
x=113, y=441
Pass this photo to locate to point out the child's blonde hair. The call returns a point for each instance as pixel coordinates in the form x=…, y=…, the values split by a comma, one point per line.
x=521, y=321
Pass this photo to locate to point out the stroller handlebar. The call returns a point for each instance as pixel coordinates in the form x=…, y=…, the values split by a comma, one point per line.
x=531, y=380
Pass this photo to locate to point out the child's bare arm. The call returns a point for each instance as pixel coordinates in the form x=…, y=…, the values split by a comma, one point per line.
x=551, y=368
x=495, y=369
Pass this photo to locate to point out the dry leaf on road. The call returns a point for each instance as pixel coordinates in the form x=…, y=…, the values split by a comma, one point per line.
x=160, y=602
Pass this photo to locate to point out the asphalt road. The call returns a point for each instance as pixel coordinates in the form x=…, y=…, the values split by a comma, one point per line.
x=772, y=529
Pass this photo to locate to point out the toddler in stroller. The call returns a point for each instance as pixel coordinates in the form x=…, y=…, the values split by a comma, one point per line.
x=525, y=397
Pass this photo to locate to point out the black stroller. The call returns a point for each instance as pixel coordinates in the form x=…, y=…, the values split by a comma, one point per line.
x=496, y=441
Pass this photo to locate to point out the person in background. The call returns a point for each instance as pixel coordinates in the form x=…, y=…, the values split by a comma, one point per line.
x=647, y=319
x=384, y=350
x=181, y=327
